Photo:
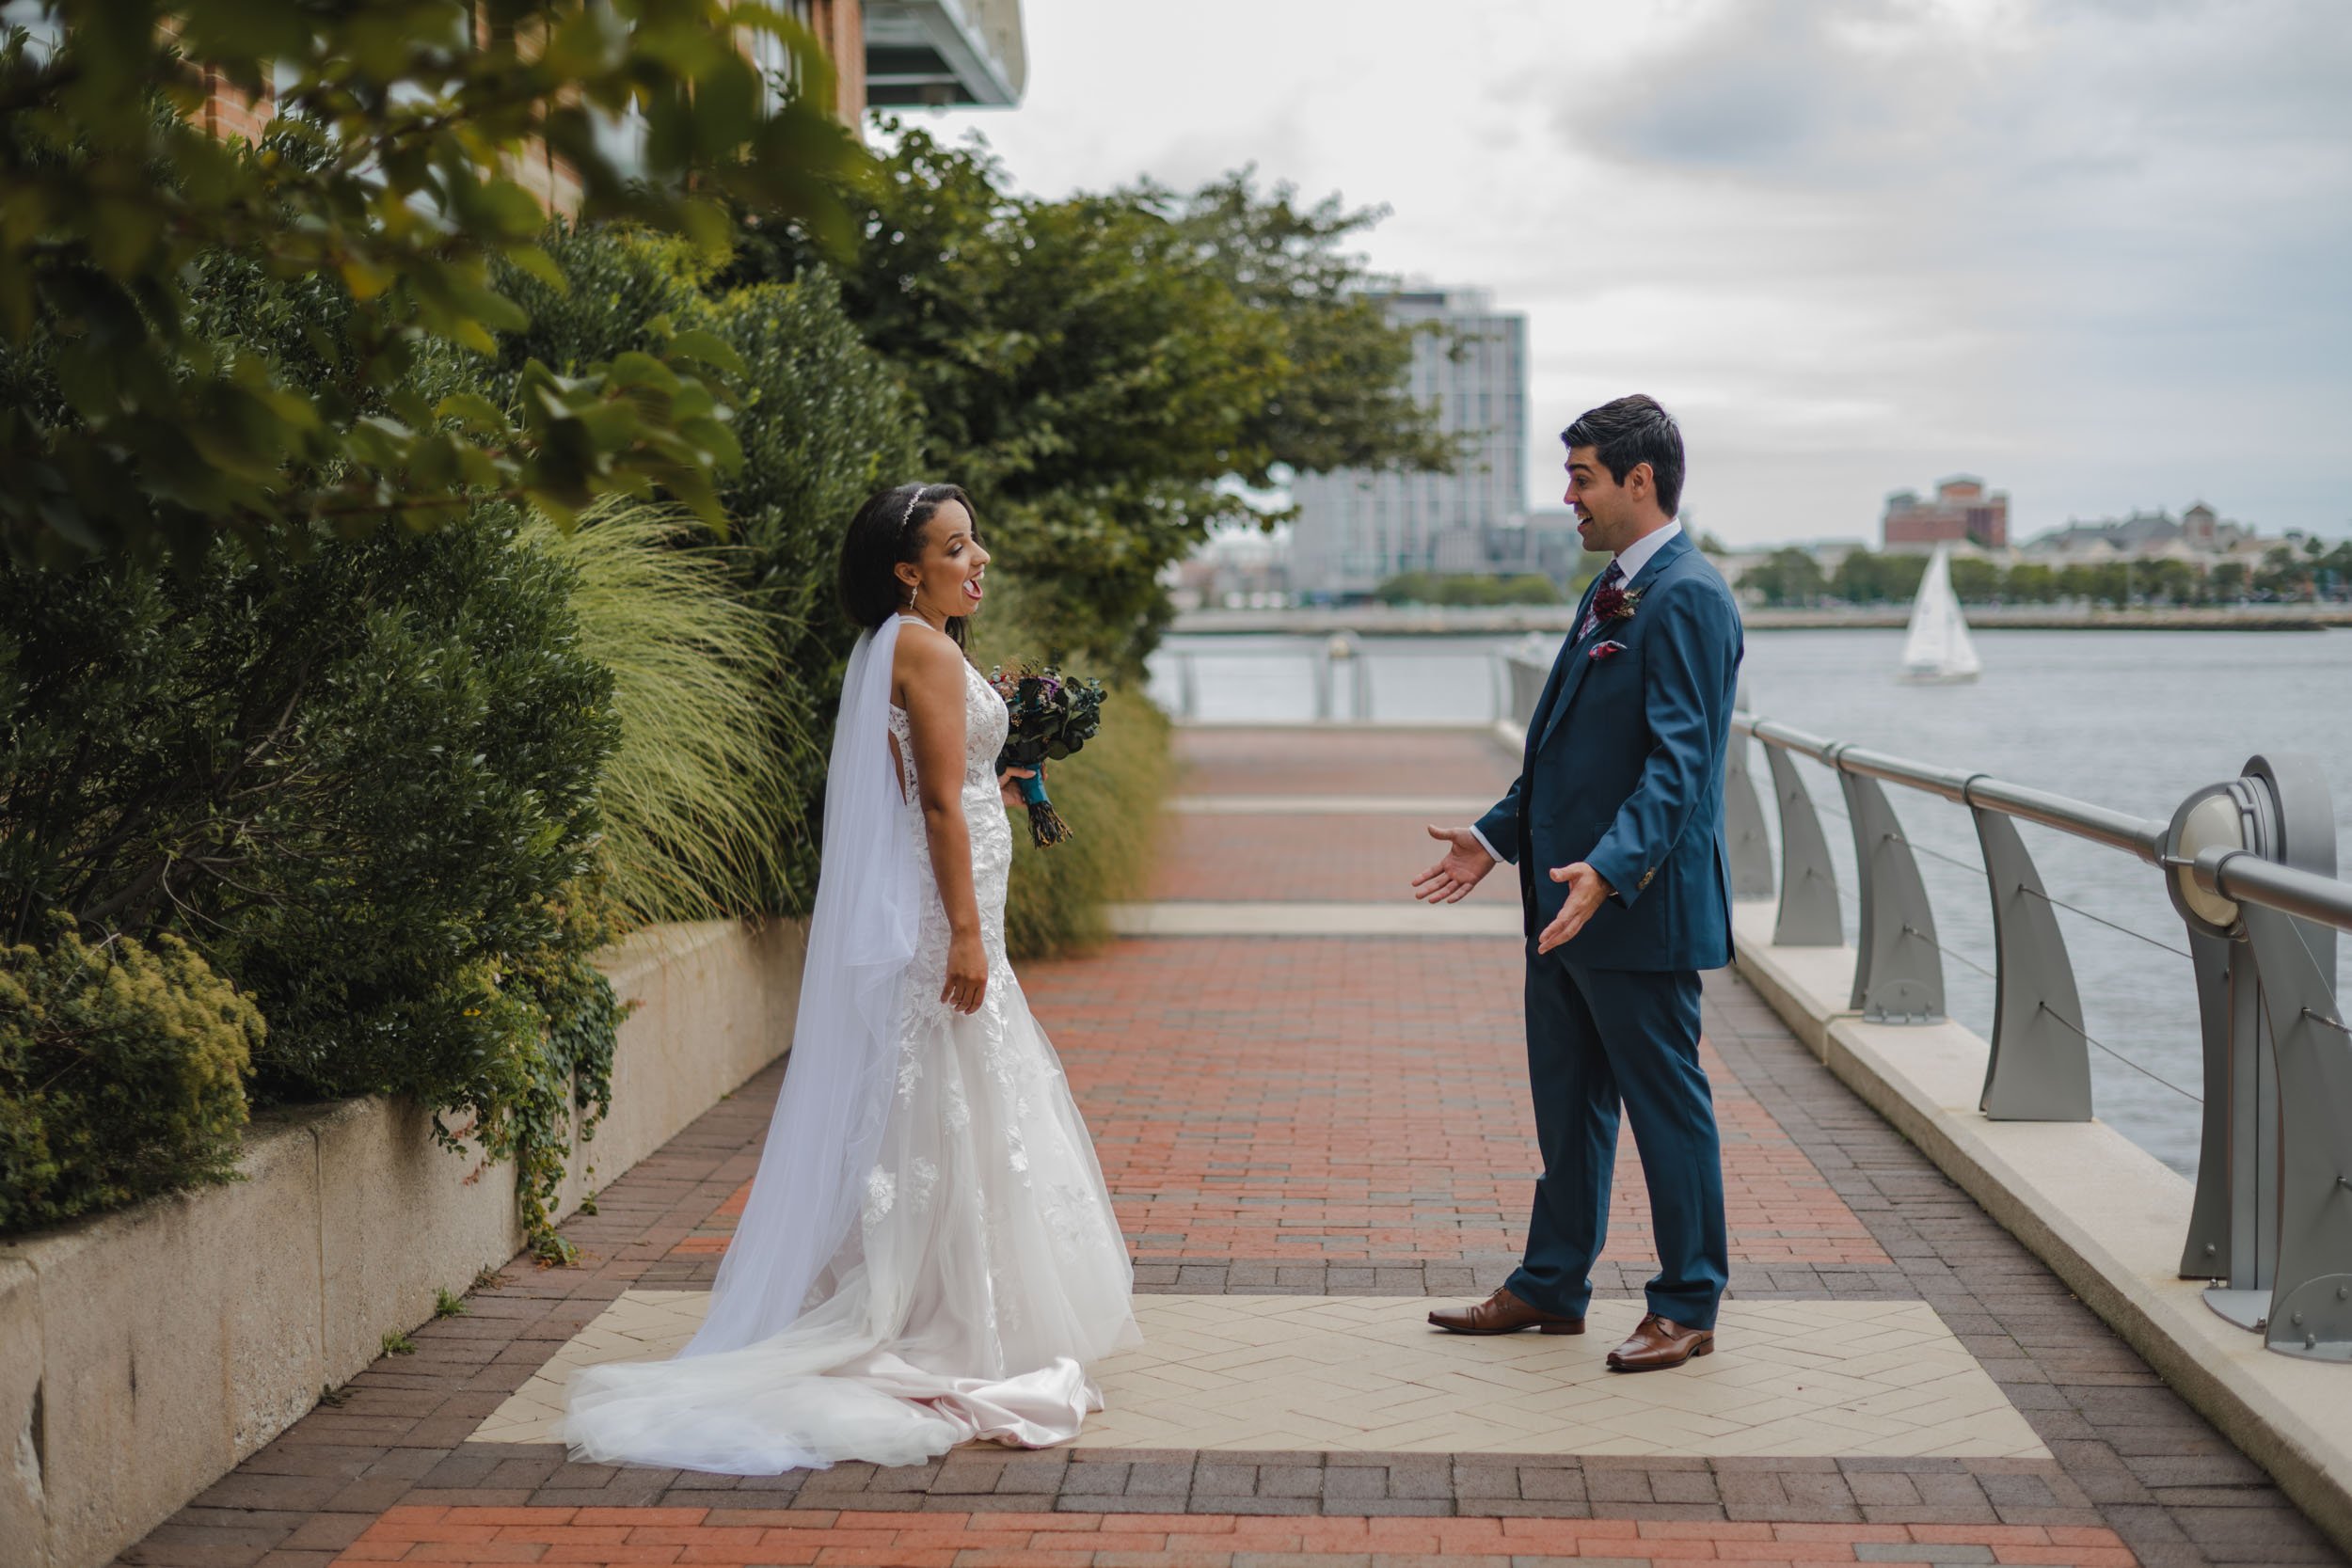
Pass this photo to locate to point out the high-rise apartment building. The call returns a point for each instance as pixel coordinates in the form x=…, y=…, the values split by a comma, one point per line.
x=1355, y=529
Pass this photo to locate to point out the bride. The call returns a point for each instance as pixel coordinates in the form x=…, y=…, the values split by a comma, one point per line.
x=929, y=1253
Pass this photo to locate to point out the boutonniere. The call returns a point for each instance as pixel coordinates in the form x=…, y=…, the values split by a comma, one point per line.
x=1607, y=650
x=1616, y=604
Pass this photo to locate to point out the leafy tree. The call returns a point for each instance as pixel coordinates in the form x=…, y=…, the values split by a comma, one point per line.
x=391, y=168
x=1343, y=399
x=1437, y=588
x=1869, y=577
x=2169, y=581
x=1786, y=579
x=1109, y=374
x=1976, y=581
x=2029, y=582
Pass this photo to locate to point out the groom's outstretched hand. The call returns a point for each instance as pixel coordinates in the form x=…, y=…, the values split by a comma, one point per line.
x=1585, y=891
x=1451, y=880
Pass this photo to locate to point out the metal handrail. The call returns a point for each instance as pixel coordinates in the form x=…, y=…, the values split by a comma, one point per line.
x=2248, y=878
x=2262, y=908
x=2263, y=882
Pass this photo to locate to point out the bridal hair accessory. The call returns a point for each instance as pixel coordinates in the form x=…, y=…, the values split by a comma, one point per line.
x=912, y=501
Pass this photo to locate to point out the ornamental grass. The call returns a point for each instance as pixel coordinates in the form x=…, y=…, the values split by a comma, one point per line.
x=695, y=798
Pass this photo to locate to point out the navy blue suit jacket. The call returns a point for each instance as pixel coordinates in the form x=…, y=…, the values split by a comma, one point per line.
x=1624, y=770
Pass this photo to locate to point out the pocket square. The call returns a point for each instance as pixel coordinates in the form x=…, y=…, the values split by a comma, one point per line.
x=1605, y=650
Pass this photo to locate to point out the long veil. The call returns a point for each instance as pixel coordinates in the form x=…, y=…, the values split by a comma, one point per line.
x=830, y=1119
x=929, y=1253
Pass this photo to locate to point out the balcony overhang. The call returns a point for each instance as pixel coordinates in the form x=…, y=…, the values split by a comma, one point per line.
x=940, y=53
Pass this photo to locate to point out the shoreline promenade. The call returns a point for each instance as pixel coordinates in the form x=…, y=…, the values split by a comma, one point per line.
x=1309, y=1103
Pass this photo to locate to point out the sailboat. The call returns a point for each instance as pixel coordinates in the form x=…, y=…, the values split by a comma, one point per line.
x=1938, y=648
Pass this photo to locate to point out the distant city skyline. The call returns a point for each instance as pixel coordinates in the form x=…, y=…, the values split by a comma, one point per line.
x=1355, y=530
x=2090, y=249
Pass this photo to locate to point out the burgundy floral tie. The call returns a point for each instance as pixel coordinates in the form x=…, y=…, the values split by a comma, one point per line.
x=1612, y=576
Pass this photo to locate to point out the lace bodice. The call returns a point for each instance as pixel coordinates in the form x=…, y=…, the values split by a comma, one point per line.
x=985, y=722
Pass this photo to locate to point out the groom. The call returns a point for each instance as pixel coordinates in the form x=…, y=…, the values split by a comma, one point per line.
x=1619, y=804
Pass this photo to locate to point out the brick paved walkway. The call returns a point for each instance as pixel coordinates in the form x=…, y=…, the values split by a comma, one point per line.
x=1311, y=1118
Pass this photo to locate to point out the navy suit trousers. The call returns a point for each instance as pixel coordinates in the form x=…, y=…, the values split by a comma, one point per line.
x=1598, y=1038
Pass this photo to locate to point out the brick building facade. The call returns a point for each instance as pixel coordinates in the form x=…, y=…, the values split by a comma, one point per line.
x=884, y=53
x=1961, y=513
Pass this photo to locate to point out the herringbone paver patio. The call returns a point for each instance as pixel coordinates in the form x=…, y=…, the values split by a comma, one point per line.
x=1301, y=1131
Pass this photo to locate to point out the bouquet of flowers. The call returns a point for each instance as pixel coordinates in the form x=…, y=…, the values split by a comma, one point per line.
x=1053, y=715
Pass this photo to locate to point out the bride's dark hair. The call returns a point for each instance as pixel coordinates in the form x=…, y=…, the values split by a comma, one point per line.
x=888, y=529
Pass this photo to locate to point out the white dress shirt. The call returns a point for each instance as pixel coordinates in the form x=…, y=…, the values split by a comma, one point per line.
x=1631, y=561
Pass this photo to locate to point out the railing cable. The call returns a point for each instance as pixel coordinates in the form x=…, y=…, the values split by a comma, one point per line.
x=2327, y=1022
x=1919, y=847
x=2103, y=920
x=2090, y=1039
x=1961, y=958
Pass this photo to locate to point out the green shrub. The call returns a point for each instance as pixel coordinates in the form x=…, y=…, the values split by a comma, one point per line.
x=712, y=754
x=121, y=1074
x=822, y=423
x=360, y=777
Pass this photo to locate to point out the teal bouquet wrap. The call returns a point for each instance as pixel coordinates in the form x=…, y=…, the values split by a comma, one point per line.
x=1052, y=715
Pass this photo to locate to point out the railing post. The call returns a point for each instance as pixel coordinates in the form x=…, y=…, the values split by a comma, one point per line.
x=2311, y=1302
x=2278, y=809
x=2234, y=1216
x=2040, y=1066
x=1808, y=887
x=1527, y=689
x=1744, y=819
x=1898, y=971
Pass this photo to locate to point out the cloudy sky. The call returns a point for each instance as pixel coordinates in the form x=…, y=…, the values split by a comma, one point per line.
x=2099, y=251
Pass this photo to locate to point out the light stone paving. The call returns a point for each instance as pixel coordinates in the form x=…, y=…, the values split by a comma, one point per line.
x=1404, y=918
x=1368, y=1375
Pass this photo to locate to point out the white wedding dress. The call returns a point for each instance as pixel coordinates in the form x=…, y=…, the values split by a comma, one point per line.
x=929, y=1253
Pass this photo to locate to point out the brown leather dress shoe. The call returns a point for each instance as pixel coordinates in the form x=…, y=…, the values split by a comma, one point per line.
x=1503, y=1313
x=1658, y=1344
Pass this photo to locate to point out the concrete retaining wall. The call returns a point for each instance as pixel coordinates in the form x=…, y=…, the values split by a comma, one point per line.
x=144, y=1354
x=2106, y=1216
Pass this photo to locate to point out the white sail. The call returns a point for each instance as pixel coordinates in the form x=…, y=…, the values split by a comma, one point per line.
x=1938, y=648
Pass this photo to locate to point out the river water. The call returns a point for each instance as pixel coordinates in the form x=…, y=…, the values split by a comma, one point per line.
x=2129, y=720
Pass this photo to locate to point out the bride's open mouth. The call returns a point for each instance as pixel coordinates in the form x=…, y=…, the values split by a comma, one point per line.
x=972, y=590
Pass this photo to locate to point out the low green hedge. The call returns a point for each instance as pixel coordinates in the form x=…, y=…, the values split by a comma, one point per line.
x=122, y=1073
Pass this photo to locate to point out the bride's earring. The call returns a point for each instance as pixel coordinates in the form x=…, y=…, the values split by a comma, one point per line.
x=910, y=596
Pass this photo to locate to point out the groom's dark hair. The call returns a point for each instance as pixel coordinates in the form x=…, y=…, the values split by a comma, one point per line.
x=1627, y=432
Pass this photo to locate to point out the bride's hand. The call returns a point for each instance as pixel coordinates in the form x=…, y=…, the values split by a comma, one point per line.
x=1009, y=784
x=967, y=974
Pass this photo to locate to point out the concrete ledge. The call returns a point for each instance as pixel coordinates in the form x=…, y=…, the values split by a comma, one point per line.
x=144, y=1353
x=2106, y=1216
